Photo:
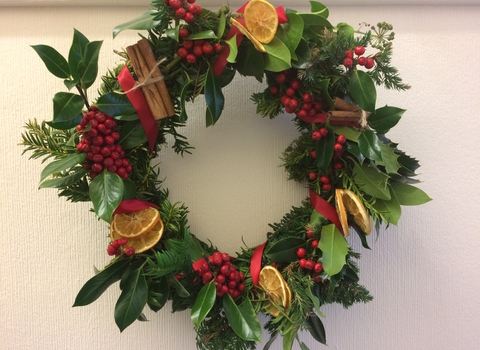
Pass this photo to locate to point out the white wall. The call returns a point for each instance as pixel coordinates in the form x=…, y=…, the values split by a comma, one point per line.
x=423, y=274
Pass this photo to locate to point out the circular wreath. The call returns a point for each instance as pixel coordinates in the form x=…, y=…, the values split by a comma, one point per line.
x=322, y=75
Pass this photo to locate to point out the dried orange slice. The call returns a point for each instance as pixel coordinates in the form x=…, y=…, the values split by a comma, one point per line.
x=347, y=201
x=261, y=20
x=135, y=224
x=258, y=45
x=143, y=242
x=272, y=282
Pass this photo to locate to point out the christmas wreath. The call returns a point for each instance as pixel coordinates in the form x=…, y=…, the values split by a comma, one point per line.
x=324, y=76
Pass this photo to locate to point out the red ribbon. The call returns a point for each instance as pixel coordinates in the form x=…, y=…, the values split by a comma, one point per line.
x=197, y=265
x=325, y=209
x=137, y=98
x=131, y=205
x=221, y=62
x=256, y=263
x=323, y=117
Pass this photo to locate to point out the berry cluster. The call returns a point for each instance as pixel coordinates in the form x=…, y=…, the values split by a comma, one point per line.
x=191, y=50
x=309, y=260
x=294, y=98
x=226, y=277
x=98, y=142
x=350, y=61
x=114, y=247
x=185, y=9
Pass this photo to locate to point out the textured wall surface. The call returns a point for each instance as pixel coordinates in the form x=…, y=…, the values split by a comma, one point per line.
x=423, y=274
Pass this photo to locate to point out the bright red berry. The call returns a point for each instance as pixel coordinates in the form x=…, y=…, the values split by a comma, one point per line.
x=197, y=51
x=217, y=258
x=175, y=4
x=290, y=92
x=180, y=13
x=362, y=61
x=301, y=252
x=370, y=63
x=348, y=54
x=337, y=165
x=312, y=175
x=188, y=44
x=281, y=77
x=359, y=50
x=302, y=263
x=225, y=270
x=189, y=17
x=183, y=33
x=326, y=187
x=309, y=265
x=195, y=9
x=323, y=132
x=217, y=47
x=309, y=234
x=316, y=135
x=315, y=243
x=324, y=179
x=207, y=48
x=318, y=267
x=182, y=52
x=97, y=167
x=191, y=58
x=129, y=251
x=341, y=139
x=337, y=147
x=348, y=62
x=295, y=84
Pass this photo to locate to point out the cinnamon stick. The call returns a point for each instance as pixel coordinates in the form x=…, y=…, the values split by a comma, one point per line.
x=150, y=91
x=151, y=62
x=345, y=115
x=342, y=105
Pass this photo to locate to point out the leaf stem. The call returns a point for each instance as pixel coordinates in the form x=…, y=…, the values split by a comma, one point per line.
x=81, y=92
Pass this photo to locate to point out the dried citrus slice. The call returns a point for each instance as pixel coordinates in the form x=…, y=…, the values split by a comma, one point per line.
x=258, y=45
x=272, y=282
x=143, y=242
x=261, y=20
x=347, y=201
x=135, y=224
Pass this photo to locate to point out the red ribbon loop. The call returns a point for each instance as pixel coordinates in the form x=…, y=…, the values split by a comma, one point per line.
x=256, y=263
x=131, y=205
x=325, y=209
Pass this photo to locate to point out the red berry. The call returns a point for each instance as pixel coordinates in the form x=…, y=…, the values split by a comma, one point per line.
x=361, y=61
x=217, y=47
x=290, y=92
x=220, y=278
x=188, y=44
x=318, y=106
x=180, y=13
x=316, y=135
x=359, y=50
x=323, y=132
x=97, y=167
x=324, y=179
x=101, y=128
x=348, y=54
x=207, y=276
x=370, y=63
x=337, y=165
x=295, y=84
x=195, y=9
x=122, y=241
x=307, y=98
x=225, y=257
x=197, y=51
x=182, y=52
x=175, y=4
x=183, y=33
x=315, y=243
x=281, y=77
x=318, y=267
x=97, y=141
x=337, y=147
x=129, y=251
x=189, y=17
x=348, y=62
x=309, y=234
x=341, y=139
x=225, y=270
x=301, y=252
x=217, y=258
x=309, y=265
x=274, y=90
x=232, y=284
x=326, y=187
x=312, y=175
x=302, y=113
x=302, y=263
x=241, y=287
x=293, y=103
x=313, y=154
x=191, y=59
x=190, y=1
x=109, y=140
x=207, y=48
x=98, y=158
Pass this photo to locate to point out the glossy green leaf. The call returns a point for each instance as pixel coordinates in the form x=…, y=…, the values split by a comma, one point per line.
x=158, y=294
x=232, y=45
x=390, y=210
x=409, y=195
x=207, y=34
x=242, y=319
x=345, y=29
x=67, y=107
x=319, y=9
x=203, y=304
x=62, y=164
x=129, y=189
x=179, y=288
x=370, y=145
x=324, y=150
x=64, y=181
x=316, y=23
x=314, y=299
x=270, y=341
x=316, y=328
x=371, y=181
x=99, y=283
x=290, y=33
x=334, y=249
x=350, y=133
x=303, y=55
x=213, y=97
x=106, y=192
x=132, y=135
x=362, y=89
x=88, y=66
x=173, y=33
x=146, y=21
x=76, y=53
x=222, y=21
x=54, y=61
x=115, y=104
x=70, y=84
x=385, y=118
x=250, y=62
x=389, y=158
x=277, y=58
x=183, y=96
x=285, y=250
x=132, y=300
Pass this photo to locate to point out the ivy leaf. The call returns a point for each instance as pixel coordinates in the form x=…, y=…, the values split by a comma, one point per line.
x=62, y=164
x=132, y=300
x=115, y=104
x=106, y=192
x=285, y=249
x=389, y=210
x=290, y=33
x=88, y=66
x=146, y=21
x=213, y=97
x=54, y=61
x=334, y=249
x=385, y=118
x=242, y=319
x=203, y=304
x=316, y=328
x=371, y=181
x=277, y=58
x=76, y=53
x=324, y=150
x=64, y=181
x=409, y=195
x=132, y=135
x=99, y=283
x=362, y=89
x=370, y=145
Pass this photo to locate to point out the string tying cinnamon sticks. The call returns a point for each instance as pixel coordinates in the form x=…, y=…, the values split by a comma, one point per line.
x=150, y=79
x=346, y=111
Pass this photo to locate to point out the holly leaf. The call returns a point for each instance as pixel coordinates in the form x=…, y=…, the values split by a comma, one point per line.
x=88, y=66
x=54, y=61
x=385, y=118
x=285, y=250
x=132, y=300
x=277, y=58
x=203, y=304
x=389, y=158
x=334, y=249
x=371, y=181
x=242, y=319
x=132, y=135
x=232, y=45
x=324, y=150
x=99, y=283
x=76, y=54
x=62, y=164
x=389, y=210
x=115, y=104
x=290, y=33
x=250, y=62
x=370, y=145
x=213, y=97
x=409, y=195
x=145, y=21
x=362, y=89
x=207, y=34
x=106, y=192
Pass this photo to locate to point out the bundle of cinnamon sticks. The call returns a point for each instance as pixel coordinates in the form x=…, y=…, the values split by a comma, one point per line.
x=345, y=111
x=150, y=79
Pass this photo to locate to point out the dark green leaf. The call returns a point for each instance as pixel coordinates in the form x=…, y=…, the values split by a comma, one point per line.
x=285, y=249
x=183, y=112
x=350, y=275
x=361, y=234
x=409, y=195
x=277, y=58
x=324, y=150
x=106, y=192
x=158, y=294
x=54, y=61
x=132, y=300
x=242, y=319
x=390, y=209
x=173, y=33
x=334, y=249
x=70, y=84
x=99, y=283
x=250, y=62
x=371, y=181
x=290, y=33
x=127, y=118
x=65, y=125
x=207, y=34
x=76, y=53
x=213, y=97
x=64, y=181
x=67, y=107
x=316, y=329
x=179, y=288
x=62, y=164
x=370, y=145
x=115, y=104
x=146, y=21
x=88, y=66
x=203, y=304
x=129, y=189
x=362, y=89
x=322, y=89
x=303, y=55
x=385, y=118
x=132, y=135
x=303, y=346
x=315, y=23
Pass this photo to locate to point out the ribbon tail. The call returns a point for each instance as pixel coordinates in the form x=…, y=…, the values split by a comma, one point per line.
x=325, y=209
x=256, y=263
